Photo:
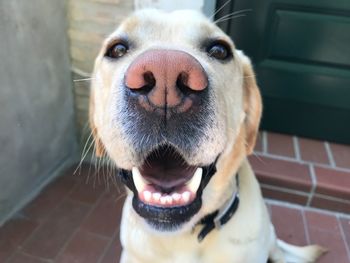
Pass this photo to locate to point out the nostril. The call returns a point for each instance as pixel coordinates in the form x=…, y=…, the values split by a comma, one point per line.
x=149, y=79
x=149, y=83
x=182, y=84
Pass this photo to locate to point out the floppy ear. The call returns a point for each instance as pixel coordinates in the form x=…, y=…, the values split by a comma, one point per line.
x=99, y=148
x=252, y=104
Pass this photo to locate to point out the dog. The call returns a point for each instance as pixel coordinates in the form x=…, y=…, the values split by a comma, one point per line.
x=176, y=107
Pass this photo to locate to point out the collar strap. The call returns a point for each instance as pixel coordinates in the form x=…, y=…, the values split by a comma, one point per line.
x=220, y=217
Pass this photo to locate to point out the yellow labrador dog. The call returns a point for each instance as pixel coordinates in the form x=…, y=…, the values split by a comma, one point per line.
x=177, y=108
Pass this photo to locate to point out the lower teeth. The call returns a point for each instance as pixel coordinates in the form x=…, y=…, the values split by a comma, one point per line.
x=156, y=198
x=166, y=199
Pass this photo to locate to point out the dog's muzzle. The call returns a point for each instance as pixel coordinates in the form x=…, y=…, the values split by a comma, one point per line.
x=165, y=113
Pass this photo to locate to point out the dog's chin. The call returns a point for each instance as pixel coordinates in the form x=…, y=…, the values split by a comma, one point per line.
x=167, y=190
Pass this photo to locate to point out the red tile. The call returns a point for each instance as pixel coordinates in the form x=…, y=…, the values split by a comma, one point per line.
x=345, y=225
x=259, y=143
x=341, y=154
x=49, y=198
x=280, y=144
x=313, y=151
x=87, y=192
x=113, y=252
x=105, y=218
x=51, y=236
x=324, y=230
x=322, y=222
x=281, y=173
x=13, y=234
x=333, y=183
x=328, y=204
x=84, y=248
x=279, y=194
x=289, y=224
x=22, y=258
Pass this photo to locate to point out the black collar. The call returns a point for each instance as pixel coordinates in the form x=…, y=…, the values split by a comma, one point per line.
x=220, y=217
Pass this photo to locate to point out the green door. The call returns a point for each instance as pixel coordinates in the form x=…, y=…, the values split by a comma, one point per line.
x=301, y=54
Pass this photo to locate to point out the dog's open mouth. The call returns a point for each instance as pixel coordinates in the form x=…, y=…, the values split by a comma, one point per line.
x=167, y=190
x=166, y=180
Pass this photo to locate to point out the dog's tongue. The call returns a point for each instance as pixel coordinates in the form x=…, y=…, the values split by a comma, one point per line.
x=166, y=168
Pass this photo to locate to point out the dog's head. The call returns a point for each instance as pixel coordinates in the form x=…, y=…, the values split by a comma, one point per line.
x=176, y=107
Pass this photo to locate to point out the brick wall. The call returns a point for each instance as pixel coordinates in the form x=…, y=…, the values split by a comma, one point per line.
x=90, y=21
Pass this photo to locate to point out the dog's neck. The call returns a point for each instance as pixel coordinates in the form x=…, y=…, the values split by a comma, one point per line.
x=221, y=216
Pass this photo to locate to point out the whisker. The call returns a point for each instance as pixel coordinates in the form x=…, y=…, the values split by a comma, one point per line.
x=97, y=173
x=248, y=77
x=84, y=152
x=223, y=19
x=92, y=158
x=238, y=12
x=80, y=72
x=106, y=178
x=112, y=175
x=121, y=196
x=217, y=11
x=81, y=80
x=259, y=158
x=105, y=171
x=232, y=15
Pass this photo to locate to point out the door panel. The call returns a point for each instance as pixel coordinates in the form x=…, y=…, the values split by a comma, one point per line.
x=310, y=38
x=301, y=54
x=291, y=81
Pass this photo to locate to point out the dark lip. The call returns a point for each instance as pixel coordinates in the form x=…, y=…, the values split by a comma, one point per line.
x=168, y=218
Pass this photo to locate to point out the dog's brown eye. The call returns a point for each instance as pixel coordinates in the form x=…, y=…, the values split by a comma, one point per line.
x=219, y=51
x=117, y=51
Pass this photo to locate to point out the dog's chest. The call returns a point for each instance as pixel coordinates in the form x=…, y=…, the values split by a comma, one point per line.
x=215, y=248
x=178, y=253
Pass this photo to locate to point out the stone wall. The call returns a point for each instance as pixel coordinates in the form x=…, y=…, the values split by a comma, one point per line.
x=90, y=21
x=37, y=134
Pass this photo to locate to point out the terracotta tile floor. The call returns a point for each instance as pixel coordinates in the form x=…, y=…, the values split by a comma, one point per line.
x=76, y=220
x=303, y=171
